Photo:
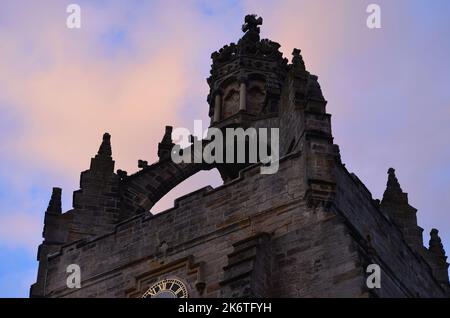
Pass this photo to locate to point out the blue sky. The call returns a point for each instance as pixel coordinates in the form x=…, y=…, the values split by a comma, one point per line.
x=136, y=66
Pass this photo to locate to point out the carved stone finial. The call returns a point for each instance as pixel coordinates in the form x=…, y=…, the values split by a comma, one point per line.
x=393, y=194
x=435, y=244
x=166, y=144
x=297, y=59
x=103, y=164
x=122, y=174
x=251, y=28
x=393, y=185
x=252, y=23
x=142, y=164
x=105, y=147
x=54, y=206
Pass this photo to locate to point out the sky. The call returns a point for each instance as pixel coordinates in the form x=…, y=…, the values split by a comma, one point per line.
x=135, y=66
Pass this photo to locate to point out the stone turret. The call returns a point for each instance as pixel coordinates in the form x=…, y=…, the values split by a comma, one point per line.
x=395, y=205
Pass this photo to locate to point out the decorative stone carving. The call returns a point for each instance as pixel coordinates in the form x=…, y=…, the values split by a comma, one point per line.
x=166, y=144
x=256, y=96
x=230, y=104
x=142, y=164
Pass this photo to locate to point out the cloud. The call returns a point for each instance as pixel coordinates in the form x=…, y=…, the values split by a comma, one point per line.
x=130, y=70
x=70, y=93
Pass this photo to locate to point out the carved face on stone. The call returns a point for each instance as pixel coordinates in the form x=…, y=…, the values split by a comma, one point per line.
x=230, y=100
x=256, y=96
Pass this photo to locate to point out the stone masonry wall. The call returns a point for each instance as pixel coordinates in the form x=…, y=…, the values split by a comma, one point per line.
x=309, y=250
x=404, y=272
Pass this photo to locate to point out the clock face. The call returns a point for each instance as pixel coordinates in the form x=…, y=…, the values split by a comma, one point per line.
x=167, y=288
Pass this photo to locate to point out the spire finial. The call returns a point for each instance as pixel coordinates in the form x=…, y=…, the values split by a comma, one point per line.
x=251, y=27
x=105, y=147
x=435, y=244
x=54, y=205
x=393, y=185
x=252, y=23
x=297, y=59
x=103, y=162
x=166, y=144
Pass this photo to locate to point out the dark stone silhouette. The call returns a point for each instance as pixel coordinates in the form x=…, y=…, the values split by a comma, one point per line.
x=309, y=230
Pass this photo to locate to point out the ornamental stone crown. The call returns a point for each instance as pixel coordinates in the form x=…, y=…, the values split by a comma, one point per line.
x=247, y=77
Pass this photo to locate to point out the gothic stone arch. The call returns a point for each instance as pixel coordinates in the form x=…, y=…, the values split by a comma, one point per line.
x=142, y=190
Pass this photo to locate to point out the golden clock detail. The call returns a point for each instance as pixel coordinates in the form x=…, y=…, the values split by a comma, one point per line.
x=167, y=288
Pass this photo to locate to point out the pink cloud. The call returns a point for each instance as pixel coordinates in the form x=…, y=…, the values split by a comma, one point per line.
x=69, y=94
x=66, y=90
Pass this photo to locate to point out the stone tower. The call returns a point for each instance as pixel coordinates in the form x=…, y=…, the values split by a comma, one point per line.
x=309, y=230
